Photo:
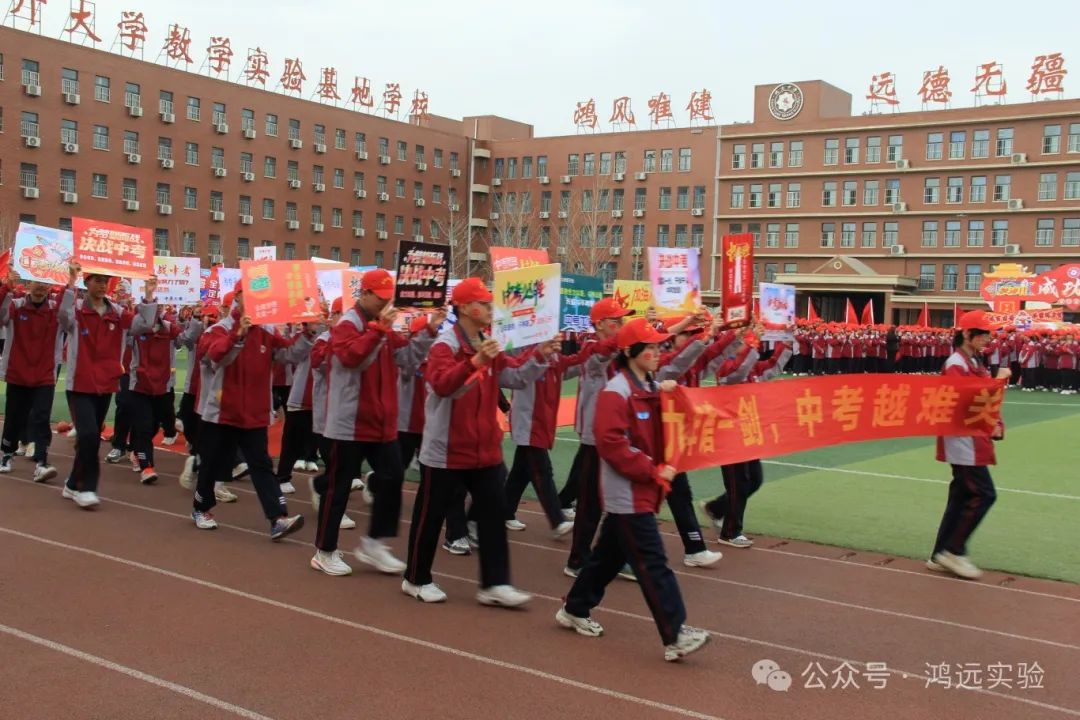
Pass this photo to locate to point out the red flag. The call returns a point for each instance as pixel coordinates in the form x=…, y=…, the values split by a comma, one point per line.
x=957, y=313
x=868, y=313
x=850, y=316
x=5, y=260
x=811, y=313
x=924, y=316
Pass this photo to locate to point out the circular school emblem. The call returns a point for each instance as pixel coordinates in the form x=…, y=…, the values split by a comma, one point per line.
x=786, y=101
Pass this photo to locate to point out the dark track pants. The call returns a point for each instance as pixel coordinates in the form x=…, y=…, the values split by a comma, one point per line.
x=26, y=414
x=533, y=465
x=741, y=480
x=88, y=413
x=346, y=457
x=217, y=450
x=587, y=466
x=971, y=494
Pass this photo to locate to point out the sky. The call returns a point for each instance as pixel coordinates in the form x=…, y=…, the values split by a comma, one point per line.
x=534, y=62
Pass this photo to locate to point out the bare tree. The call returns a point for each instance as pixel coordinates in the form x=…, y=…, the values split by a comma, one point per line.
x=9, y=225
x=455, y=231
x=514, y=222
x=589, y=223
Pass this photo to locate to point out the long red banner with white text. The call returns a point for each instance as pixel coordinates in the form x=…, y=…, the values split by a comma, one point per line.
x=706, y=427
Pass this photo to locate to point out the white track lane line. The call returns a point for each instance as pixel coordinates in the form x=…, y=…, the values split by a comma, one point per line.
x=371, y=629
x=133, y=673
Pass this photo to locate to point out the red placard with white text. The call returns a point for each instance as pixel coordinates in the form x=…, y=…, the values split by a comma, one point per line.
x=737, y=281
x=280, y=291
x=113, y=249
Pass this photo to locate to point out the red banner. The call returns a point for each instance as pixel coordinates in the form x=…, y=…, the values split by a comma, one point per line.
x=279, y=291
x=507, y=258
x=112, y=249
x=1010, y=285
x=737, y=286
x=706, y=427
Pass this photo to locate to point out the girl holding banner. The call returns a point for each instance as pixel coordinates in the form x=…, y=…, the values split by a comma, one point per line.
x=634, y=479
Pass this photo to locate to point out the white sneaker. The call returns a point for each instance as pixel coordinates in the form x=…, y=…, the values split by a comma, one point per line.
x=369, y=497
x=187, y=475
x=5, y=465
x=582, y=626
x=134, y=462
x=71, y=433
x=472, y=533
x=357, y=484
x=705, y=558
x=502, y=596
x=21, y=450
x=169, y=441
x=415, y=464
x=30, y=449
x=936, y=567
x=347, y=523
x=287, y=488
x=179, y=425
x=373, y=552
x=86, y=500
x=562, y=530
x=741, y=541
x=571, y=572
x=223, y=494
x=627, y=573
x=330, y=563
x=315, y=497
x=311, y=466
x=430, y=593
x=298, y=466
x=569, y=513
x=457, y=547
x=114, y=456
x=958, y=565
x=239, y=470
x=43, y=473
x=515, y=525
x=690, y=640
x=204, y=520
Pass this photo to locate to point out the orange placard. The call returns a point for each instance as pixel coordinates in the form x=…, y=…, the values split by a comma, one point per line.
x=112, y=249
x=706, y=427
x=508, y=258
x=279, y=291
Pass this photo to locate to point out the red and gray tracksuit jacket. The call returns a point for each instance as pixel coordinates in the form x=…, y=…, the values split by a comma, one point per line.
x=319, y=367
x=189, y=338
x=534, y=411
x=1031, y=355
x=594, y=377
x=96, y=342
x=236, y=388
x=768, y=369
x=412, y=395
x=32, y=351
x=151, y=366
x=630, y=442
x=461, y=428
x=362, y=402
x=965, y=450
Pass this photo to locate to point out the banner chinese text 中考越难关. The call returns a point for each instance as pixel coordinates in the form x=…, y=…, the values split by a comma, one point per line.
x=526, y=305
x=423, y=271
x=578, y=294
x=113, y=249
x=737, y=278
x=706, y=427
x=675, y=278
x=280, y=291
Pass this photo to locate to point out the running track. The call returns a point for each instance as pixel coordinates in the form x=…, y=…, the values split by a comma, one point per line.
x=129, y=612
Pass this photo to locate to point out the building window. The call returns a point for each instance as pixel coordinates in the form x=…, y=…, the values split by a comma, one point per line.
x=737, y=196
x=1044, y=233
x=511, y=169
x=219, y=113
x=666, y=157
x=772, y=235
x=290, y=251
x=927, y=276
x=949, y=274
x=869, y=234
x=102, y=89
x=980, y=144
x=828, y=194
x=957, y=141
x=164, y=194
x=999, y=233
x=870, y=192
x=847, y=235
x=828, y=235
x=976, y=233
x=1070, y=232
x=620, y=162
x=952, y=233
x=399, y=225
x=776, y=155
x=1048, y=186
x=270, y=167
x=795, y=153
x=697, y=236
x=188, y=242
x=929, y=233
x=873, y=149
x=217, y=203
x=978, y=189
x=1004, y=142
x=794, y=195
x=774, y=195
x=399, y=188
x=268, y=209
x=191, y=153
x=851, y=193
x=933, y=145
x=892, y=191
x=130, y=190
x=335, y=217
x=191, y=198
x=572, y=164
x=791, y=235
x=770, y=271
x=1002, y=186
x=1072, y=186
x=339, y=178
x=194, y=108
x=217, y=157
x=757, y=155
x=895, y=150
x=890, y=234
x=402, y=151
x=851, y=151
x=67, y=181
x=955, y=190
x=755, y=195
x=684, y=160
x=662, y=235
x=931, y=191
x=972, y=277
x=832, y=151
x=101, y=137
x=1051, y=142
x=681, y=237
x=738, y=157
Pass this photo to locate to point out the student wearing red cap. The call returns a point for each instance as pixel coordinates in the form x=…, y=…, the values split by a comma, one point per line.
x=583, y=483
x=634, y=480
x=362, y=421
x=97, y=331
x=971, y=492
x=28, y=367
x=234, y=403
x=462, y=445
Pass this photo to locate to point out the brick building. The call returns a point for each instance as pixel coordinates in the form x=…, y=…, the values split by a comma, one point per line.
x=896, y=209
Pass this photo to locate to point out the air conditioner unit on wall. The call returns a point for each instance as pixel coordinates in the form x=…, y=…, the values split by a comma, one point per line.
x=1012, y=249
x=496, y=182
x=1018, y=158
x=69, y=198
x=71, y=148
x=71, y=98
x=896, y=249
x=135, y=111
x=32, y=141
x=898, y=207
x=1016, y=204
x=131, y=205
x=166, y=163
x=902, y=164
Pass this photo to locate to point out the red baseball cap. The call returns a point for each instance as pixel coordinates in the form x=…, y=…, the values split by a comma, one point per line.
x=420, y=322
x=210, y=308
x=379, y=282
x=638, y=330
x=335, y=307
x=606, y=309
x=227, y=301
x=975, y=320
x=471, y=290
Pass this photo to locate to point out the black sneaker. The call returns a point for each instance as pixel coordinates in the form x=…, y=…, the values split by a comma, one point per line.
x=285, y=526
